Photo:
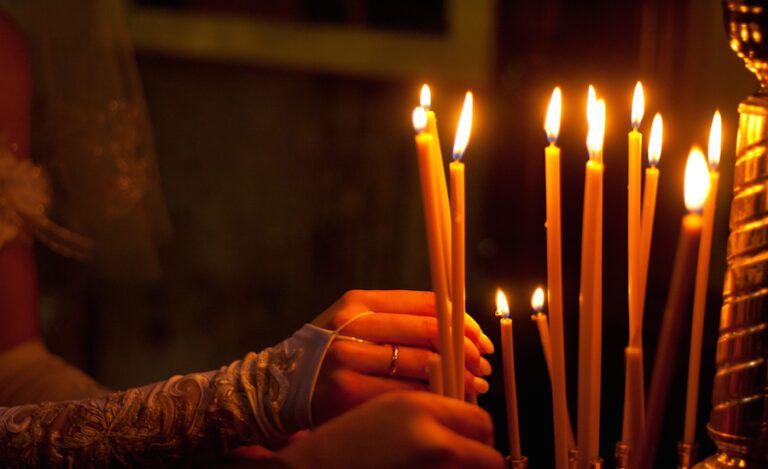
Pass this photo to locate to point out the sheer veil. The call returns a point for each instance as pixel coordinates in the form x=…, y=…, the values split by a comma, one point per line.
x=91, y=133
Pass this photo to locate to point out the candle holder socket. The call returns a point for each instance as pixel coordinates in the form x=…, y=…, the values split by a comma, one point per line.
x=596, y=463
x=686, y=455
x=573, y=458
x=621, y=453
x=518, y=463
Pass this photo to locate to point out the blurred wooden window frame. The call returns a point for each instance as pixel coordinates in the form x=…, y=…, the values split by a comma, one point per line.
x=464, y=53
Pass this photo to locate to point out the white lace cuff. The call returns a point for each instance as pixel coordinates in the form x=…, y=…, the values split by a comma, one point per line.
x=261, y=399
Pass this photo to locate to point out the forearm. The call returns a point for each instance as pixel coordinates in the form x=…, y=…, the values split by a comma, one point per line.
x=203, y=413
x=261, y=399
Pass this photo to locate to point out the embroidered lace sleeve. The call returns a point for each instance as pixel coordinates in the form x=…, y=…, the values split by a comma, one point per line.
x=260, y=399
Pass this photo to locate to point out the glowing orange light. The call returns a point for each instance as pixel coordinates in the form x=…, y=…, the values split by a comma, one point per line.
x=696, y=181
x=654, y=145
x=638, y=105
x=502, y=307
x=425, y=100
x=715, y=136
x=552, y=122
x=537, y=300
x=419, y=119
x=464, y=129
x=596, y=131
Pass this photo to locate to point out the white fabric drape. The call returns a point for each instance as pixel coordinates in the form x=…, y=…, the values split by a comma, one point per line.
x=91, y=132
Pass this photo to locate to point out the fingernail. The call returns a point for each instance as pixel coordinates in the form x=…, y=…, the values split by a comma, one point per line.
x=485, y=367
x=486, y=346
x=481, y=385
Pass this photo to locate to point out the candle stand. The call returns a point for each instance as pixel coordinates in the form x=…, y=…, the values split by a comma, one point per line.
x=738, y=422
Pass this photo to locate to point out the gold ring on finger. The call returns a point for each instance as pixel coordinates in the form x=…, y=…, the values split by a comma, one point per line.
x=393, y=361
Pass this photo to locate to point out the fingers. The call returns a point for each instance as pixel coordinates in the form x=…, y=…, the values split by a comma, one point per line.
x=462, y=418
x=473, y=361
x=377, y=359
x=339, y=390
x=374, y=359
x=483, y=341
x=474, y=385
x=360, y=387
x=420, y=303
x=403, y=329
x=405, y=303
x=415, y=336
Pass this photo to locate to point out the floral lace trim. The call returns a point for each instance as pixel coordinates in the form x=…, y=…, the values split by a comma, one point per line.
x=183, y=418
x=24, y=201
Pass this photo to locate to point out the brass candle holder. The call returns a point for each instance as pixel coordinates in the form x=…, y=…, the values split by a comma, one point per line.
x=739, y=419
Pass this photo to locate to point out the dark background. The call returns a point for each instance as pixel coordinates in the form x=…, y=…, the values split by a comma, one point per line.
x=288, y=185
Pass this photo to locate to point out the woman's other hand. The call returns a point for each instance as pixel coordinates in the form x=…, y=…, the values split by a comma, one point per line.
x=402, y=429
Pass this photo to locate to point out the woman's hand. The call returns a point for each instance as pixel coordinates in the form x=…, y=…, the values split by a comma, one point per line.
x=354, y=372
x=403, y=429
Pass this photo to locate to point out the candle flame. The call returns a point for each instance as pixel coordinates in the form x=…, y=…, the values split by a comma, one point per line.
x=502, y=307
x=425, y=100
x=419, y=119
x=715, y=136
x=537, y=300
x=654, y=146
x=696, y=181
x=552, y=122
x=591, y=103
x=596, y=131
x=463, y=131
x=638, y=105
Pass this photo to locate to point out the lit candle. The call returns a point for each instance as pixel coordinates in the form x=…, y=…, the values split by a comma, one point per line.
x=634, y=382
x=425, y=99
x=590, y=294
x=555, y=280
x=702, y=274
x=649, y=211
x=457, y=242
x=677, y=310
x=510, y=391
x=424, y=145
x=634, y=398
x=540, y=318
x=634, y=165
